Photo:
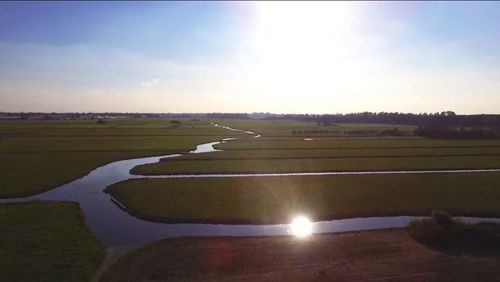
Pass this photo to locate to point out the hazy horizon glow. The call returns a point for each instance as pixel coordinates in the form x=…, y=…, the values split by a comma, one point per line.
x=286, y=57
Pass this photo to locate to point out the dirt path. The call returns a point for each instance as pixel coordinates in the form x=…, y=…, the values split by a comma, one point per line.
x=385, y=255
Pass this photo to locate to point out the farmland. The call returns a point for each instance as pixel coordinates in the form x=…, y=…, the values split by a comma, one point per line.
x=277, y=199
x=318, y=165
x=280, y=151
x=40, y=155
x=46, y=241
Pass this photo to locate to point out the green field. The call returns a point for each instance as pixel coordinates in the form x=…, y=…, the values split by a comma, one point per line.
x=282, y=153
x=46, y=241
x=317, y=165
x=277, y=199
x=342, y=153
x=354, y=143
x=284, y=128
x=39, y=155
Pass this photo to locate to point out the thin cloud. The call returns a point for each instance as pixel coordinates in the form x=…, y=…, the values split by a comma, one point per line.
x=150, y=83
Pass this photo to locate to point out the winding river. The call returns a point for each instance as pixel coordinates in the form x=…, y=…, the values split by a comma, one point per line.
x=115, y=228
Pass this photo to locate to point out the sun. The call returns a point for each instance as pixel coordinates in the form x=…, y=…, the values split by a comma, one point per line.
x=301, y=226
x=304, y=47
x=302, y=39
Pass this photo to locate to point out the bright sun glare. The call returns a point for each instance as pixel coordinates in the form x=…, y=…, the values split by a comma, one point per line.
x=301, y=226
x=305, y=40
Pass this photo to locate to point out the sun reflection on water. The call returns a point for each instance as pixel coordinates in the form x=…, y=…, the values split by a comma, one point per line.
x=301, y=226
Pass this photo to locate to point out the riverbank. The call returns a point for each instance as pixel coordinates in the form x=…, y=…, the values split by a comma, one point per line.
x=356, y=256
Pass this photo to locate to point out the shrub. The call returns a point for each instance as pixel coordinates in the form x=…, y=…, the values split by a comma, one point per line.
x=443, y=219
x=444, y=233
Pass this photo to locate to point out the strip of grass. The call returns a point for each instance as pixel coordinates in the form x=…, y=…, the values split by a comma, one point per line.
x=46, y=241
x=277, y=199
x=99, y=144
x=352, y=143
x=341, y=153
x=316, y=165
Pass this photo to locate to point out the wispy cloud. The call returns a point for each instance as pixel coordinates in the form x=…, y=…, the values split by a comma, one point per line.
x=150, y=83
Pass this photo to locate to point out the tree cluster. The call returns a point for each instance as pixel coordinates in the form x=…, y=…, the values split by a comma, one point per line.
x=440, y=118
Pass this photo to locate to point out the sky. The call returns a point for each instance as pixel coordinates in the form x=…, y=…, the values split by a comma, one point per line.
x=286, y=57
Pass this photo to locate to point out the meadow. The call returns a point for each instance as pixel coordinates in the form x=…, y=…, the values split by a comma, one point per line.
x=284, y=128
x=318, y=165
x=275, y=199
x=354, y=143
x=278, y=199
x=281, y=151
x=46, y=241
x=341, y=153
x=40, y=155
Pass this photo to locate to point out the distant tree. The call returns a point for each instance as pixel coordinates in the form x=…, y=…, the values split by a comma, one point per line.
x=175, y=123
x=448, y=118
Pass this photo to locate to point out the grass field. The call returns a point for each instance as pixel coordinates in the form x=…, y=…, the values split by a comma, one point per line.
x=277, y=199
x=286, y=153
x=316, y=165
x=46, y=241
x=39, y=155
x=284, y=128
x=354, y=143
x=342, y=153
x=385, y=255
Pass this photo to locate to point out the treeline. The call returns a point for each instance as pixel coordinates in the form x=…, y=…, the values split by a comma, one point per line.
x=427, y=119
x=447, y=132
x=228, y=115
x=357, y=132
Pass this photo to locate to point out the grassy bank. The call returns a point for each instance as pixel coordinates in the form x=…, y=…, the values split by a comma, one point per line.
x=317, y=165
x=389, y=255
x=353, y=143
x=342, y=153
x=277, y=199
x=39, y=155
x=46, y=241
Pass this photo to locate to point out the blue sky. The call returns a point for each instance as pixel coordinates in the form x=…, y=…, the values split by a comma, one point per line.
x=247, y=56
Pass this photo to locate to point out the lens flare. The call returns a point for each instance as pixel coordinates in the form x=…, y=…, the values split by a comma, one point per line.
x=301, y=226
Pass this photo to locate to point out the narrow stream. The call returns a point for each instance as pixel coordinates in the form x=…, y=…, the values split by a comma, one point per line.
x=117, y=229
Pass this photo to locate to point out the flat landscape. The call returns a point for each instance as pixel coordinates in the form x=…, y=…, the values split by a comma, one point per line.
x=278, y=199
x=40, y=155
x=150, y=141
x=280, y=151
